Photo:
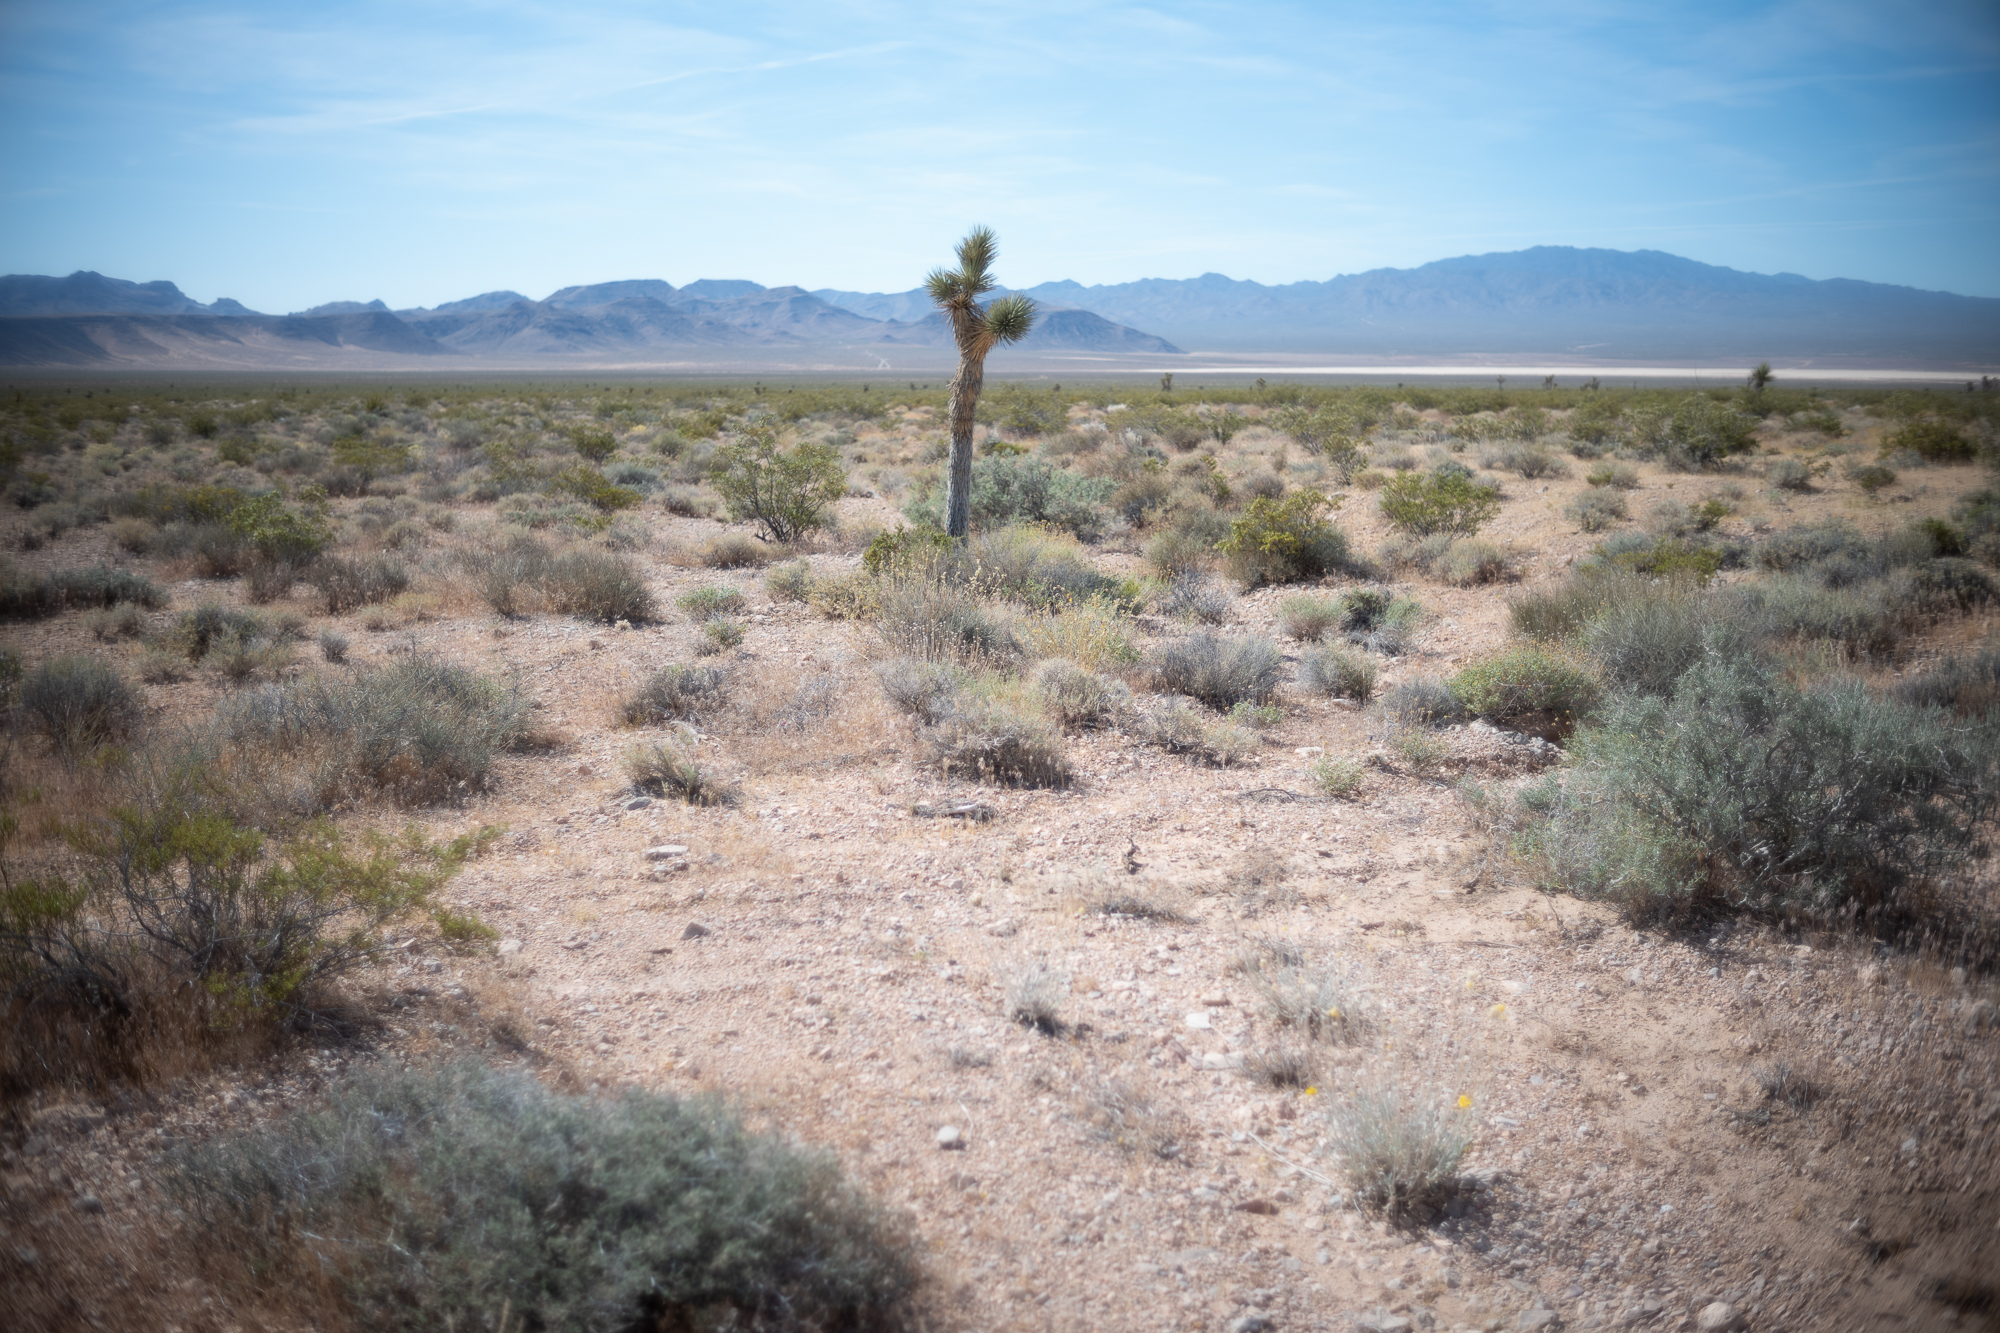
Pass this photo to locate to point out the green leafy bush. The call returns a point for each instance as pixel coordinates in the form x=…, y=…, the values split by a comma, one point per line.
x=1701, y=432
x=1529, y=682
x=1936, y=440
x=1217, y=671
x=594, y=1214
x=1619, y=476
x=595, y=445
x=583, y=481
x=786, y=492
x=905, y=549
x=1013, y=490
x=1427, y=503
x=1284, y=541
x=1872, y=477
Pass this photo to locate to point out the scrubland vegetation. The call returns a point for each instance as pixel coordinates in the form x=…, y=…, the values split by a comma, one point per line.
x=207, y=832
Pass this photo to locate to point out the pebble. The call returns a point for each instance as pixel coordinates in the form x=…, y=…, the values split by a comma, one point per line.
x=666, y=852
x=1383, y=1323
x=89, y=1203
x=638, y=803
x=508, y=948
x=951, y=1139
x=1251, y=1323
x=1199, y=1021
x=1260, y=1207
x=695, y=930
x=1980, y=1017
x=1539, y=1317
x=1004, y=927
x=1718, y=1317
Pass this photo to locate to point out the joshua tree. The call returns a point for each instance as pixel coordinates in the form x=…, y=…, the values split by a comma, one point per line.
x=976, y=329
x=1761, y=376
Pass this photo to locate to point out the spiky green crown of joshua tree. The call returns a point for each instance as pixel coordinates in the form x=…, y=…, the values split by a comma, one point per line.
x=977, y=329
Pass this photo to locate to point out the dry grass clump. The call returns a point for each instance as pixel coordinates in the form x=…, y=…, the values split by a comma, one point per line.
x=1180, y=729
x=938, y=620
x=1342, y=673
x=29, y=596
x=676, y=694
x=927, y=691
x=527, y=575
x=1077, y=699
x=854, y=595
x=1334, y=776
x=1193, y=595
x=345, y=584
x=1122, y=1111
x=1032, y=991
x=994, y=740
x=737, y=550
x=1217, y=671
x=1096, y=634
x=1314, y=1002
x=710, y=601
x=792, y=582
x=1398, y=1141
x=660, y=769
x=1308, y=619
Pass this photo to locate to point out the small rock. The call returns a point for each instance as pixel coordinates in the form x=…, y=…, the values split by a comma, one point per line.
x=1261, y=1207
x=1198, y=1020
x=951, y=1139
x=28, y=1255
x=1958, y=976
x=1649, y=1249
x=695, y=930
x=1539, y=1317
x=433, y=965
x=508, y=948
x=1383, y=1323
x=1718, y=1317
x=1215, y=1001
x=665, y=852
x=1221, y=1060
x=1871, y=975
x=638, y=803
x=1251, y=1323
x=1980, y=1017
x=1004, y=927
x=89, y=1203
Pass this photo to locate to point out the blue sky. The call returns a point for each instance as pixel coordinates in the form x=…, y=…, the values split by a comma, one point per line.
x=419, y=152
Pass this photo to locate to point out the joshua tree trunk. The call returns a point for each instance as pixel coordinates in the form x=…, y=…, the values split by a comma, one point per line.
x=976, y=330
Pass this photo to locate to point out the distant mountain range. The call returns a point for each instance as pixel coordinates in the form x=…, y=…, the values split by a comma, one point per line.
x=1588, y=305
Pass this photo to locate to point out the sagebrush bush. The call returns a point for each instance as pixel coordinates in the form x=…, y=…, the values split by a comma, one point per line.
x=927, y=691
x=1012, y=490
x=1968, y=686
x=1597, y=508
x=709, y=601
x=1398, y=1141
x=29, y=596
x=850, y=596
x=1422, y=701
x=1466, y=562
x=790, y=582
x=1192, y=595
x=992, y=740
x=1743, y=792
x=1339, y=672
x=676, y=694
x=1529, y=681
x=367, y=581
x=1938, y=441
x=1620, y=476
x=1032, y=991
x=737, y=550
x=1335, y=776
x=1307, y=619
x=591, y=1213
x=941, y=620
x=1314, y=1001
x=1079, y=699
x=660, y=769
x=1217, y=671
x=79, y=702
x=419, y=730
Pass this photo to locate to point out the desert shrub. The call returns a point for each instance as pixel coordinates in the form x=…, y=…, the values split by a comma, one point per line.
x=687, y=501
x=719, y=634
x=1035, y=566
x=596, y=1214
x=1618, y=476
x=419, y=731
x=1285, y=541
x=1377, y=619
x=906, y=550
x=737, y=550
x=597, y=585
x=1742, y=792
x=1217, y=671
x=1700, y=432
x=938, y=620
x=1466, y=562
x=1187, y=543
x=1529, y=461
x=282, y=532
x=1646, y=638
x=1865, y=620
x=1192, y=595
x=1967, y=686
x=1008, y=489
x=790, y=582
x=1422, y=701
x=584, y=482
x=1307, y=619
x=333, y=645
x=1259, y=716
x=105, y=624
x=991, y=740
x=676, y=694
x=596, y=445
x=849, y=596
x=788, y=493
x=29, y=596
x=78, y=702
x=1079, y=699
x=1312, y=1001
x=1934, y=440
x=1398, y=1142
x=1692, y=558
x=1790, y=474
x=927, y=691
x=1802, y=547
x=1428, y=503
x=1529, y=681
x=660, y=769
x=1872, y=477
x=1094, y=634
x=1182, y=730
x=369, y=581
x=1597, y=508
x=1339, y=672
x=1332, y=775
x=1945, y=587
x=1032, y=991
x=709, y=601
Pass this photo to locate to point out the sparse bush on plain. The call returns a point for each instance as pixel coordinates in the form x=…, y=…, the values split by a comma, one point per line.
x=1399, y=1142
x=1217, y=671
x=1431, y=503
x=709, y=601
x=1340, y=673
x=790, y=582
x=1597, y=508
x=737, y=550
x=1079, y=699
x=78, y=702
x=1618, y=476
x=938, y=620
x=590, y=1213
x=991, y=740
x=1335, y=776
x=1032, y=993
x=1307, y=618
x=1529, y=682
x=662, y=769
x=1968, y=686
x=1937, y=441
x=719, y=634
x=1286, y=541
x=367, y=581
x=1422, y=701
x=1192, y=595
x=677, y=694
x=927, y=691
x=333, y=645
x=788, y=493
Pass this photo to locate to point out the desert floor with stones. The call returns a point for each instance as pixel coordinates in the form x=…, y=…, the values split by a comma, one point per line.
x=834, y=953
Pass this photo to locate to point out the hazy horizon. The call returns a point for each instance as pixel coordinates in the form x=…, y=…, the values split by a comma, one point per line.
x=423, y=153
